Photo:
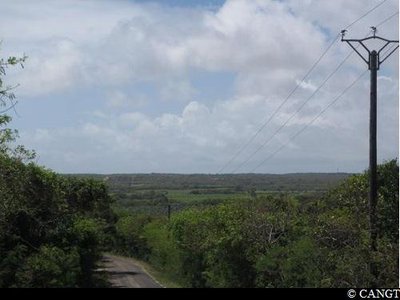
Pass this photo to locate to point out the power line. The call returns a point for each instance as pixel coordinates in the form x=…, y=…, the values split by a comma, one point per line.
x=297, y=111
x=241, y=149
x=279, y=107
x=326, y=108
x=364, y=15
x=294, y=114
x=311, y=122
x=387, y=19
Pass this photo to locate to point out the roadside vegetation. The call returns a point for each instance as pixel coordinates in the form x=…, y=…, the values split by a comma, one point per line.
x=271, y=240
x=298, y=230
x=53, y=229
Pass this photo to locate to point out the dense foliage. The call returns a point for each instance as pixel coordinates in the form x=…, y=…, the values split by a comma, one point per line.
x=275, y=241
x=52, y=228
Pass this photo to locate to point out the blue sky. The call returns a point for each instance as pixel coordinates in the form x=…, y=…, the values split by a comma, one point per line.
x=179, y=86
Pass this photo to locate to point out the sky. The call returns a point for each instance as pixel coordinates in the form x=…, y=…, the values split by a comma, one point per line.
x=189, y=86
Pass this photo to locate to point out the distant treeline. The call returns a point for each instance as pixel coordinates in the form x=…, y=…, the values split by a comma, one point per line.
x=235, y=182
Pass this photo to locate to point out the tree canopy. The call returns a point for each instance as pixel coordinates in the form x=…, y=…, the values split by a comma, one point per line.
x=52, y=228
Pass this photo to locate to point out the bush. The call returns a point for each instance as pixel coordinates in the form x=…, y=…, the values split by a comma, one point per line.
x=50, y=267
x=278, y=241
x=38, y=220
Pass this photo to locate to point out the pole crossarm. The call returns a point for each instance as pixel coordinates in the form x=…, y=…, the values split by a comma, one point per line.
x=367, y=60
x=369, y=38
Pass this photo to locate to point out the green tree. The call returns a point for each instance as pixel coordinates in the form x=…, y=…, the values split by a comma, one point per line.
x=130, y=235
x=52, y=228
x=87, y=236
x=50, y=267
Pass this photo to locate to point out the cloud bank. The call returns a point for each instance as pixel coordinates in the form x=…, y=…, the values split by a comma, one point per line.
x=123, y=86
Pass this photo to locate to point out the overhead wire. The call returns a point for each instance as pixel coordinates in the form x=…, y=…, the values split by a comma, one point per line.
x=304, y=103
x=264, y=125
x=387, y=19
x=366, y=14
x=294, y=114
x=311, y=122
x=280, y=106
x=330, y=104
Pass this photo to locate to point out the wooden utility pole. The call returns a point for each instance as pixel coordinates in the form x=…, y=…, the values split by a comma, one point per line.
x=374, y=62
x=373, y=177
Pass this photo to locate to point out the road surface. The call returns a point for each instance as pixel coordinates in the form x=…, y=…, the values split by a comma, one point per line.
x=126, y=273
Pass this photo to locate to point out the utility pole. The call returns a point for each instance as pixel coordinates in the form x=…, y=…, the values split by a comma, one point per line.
x=169, y=211
x=373, y=61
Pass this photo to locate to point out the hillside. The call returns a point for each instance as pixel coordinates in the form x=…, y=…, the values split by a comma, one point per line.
x=237, y=182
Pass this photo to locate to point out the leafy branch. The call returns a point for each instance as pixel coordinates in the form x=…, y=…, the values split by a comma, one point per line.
x=7, y=97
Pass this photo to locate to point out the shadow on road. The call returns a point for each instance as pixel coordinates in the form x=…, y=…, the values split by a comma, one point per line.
x=123, y=272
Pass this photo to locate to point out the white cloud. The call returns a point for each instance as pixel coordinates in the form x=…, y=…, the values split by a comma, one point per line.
x=117, y=99
x=201, y=140
x=139, y=55
x=55, y=68
x=177, y=90
x=153, y=44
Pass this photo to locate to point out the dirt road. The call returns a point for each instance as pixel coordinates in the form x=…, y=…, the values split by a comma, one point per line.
x=125, y=273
